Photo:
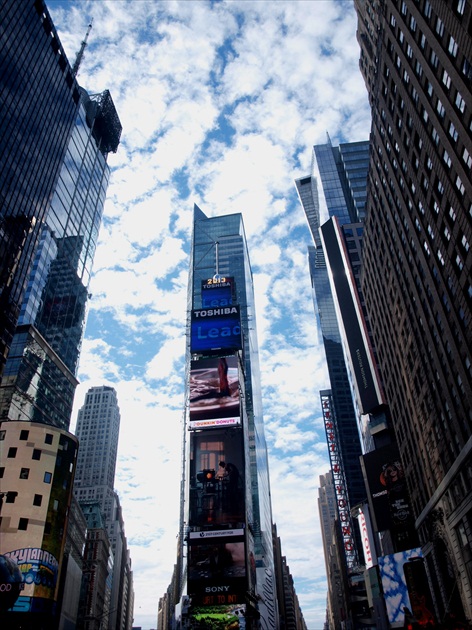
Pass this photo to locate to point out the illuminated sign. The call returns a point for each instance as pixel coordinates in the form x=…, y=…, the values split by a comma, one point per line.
x=215, y=330
x=217, y=571
x=217, y=292
x=214, y=392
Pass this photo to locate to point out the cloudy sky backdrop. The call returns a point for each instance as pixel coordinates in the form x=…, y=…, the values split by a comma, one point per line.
x=221, y=103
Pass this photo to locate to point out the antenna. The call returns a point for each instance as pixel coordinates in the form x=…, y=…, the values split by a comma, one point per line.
x=80, y=54
x=217, y=276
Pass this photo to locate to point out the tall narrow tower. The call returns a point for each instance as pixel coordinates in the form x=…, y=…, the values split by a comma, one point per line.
x=226, y=513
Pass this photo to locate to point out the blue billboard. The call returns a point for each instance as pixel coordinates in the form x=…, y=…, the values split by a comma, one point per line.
x=217, y=293
x=215, y=330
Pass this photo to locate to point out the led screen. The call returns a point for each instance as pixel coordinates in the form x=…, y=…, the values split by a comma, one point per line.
x=214, y=392
x=215, y=330
x=217, y=571
x=231, y=616
x=217, y=481
x=217, y=293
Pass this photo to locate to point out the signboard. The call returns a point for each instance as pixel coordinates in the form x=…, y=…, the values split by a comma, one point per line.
x=217, y=571
x=215, y=330
x=211, y=617
x=405, y=586
x=214, y=393
x=217, y=479
x=217, y=292
x=388, y=493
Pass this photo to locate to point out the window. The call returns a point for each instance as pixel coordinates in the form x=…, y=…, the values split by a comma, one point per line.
x=12, y=452
x=392, y=20
x=24, y=434
x=23, y=523
x=404, y=8
x=11, y=496
x=36, y=454
x=48, y=438
x=2, y=471
x=439, y=27
x=440, y=109
x=2, y=435
x=24, y=473
x=460, y=103
x=435, y=136
x=447, y=159
x=440, y=187
x=446, y=79
x=47, y=477
x=459, y=185
x=434, y=59
x=465, y=243
x=452, y=213
x=460, y=6
x=467, y=158
x=37, y=500
x=427, y=9
x=453, y=46
x=453, y=132
x=413, y=24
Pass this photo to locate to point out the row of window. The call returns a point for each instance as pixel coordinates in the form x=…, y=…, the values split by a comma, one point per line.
x=24, y=474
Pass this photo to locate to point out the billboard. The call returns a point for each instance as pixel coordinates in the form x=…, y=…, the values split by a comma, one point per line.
x=217, y=292
x=387, y=491
x=405, y=587
x=214, y=392
x=218, y=617
x=217, y=570
x=215, y=330
x=217, y=478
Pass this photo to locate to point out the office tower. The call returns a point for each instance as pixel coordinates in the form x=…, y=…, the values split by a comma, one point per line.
x=226, y=515
x=290, y=613
x=416, y=61
x=342, y=170
x=55, y=139
x=329, y=522
x=98, y=427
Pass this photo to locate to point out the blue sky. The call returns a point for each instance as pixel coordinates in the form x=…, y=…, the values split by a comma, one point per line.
x=221, y=103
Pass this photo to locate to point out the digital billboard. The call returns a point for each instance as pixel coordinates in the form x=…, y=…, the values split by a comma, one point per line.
x=217, y=570
x=405, y=587
x=231, y=616
x=217, y=292
x=214, y=330
x=217, y=479
x=388, y=493
x=214, y=392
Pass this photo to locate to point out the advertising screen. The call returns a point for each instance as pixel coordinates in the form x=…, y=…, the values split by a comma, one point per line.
x=214, y=330
x=214, y=393
x=232, y=616
x=217, y=571
x=217, y=293
x=217, y=479
x=404, y=583
x=385, y=480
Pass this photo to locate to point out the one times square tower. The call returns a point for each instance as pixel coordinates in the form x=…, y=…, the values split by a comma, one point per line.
x=226, y=510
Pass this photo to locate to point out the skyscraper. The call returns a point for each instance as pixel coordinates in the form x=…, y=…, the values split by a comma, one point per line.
x=226, y=514
x=98, y=427
x=343, y=177
x=55, y=139
x=416, y=61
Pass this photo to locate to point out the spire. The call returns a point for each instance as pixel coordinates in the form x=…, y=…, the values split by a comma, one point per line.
x=80, y=54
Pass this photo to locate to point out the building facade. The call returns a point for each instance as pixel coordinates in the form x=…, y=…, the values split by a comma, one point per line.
x=227, y=508
x=55, y=139
x=416, y=61
x=98, y=427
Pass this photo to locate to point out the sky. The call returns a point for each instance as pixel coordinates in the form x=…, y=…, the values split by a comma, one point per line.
x=220, y=103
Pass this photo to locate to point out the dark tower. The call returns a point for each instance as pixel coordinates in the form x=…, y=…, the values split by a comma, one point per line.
x=416, y=60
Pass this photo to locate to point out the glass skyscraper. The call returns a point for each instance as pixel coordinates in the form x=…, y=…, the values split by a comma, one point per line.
x=54, y=142
x=343, y=177
x=226, y=514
